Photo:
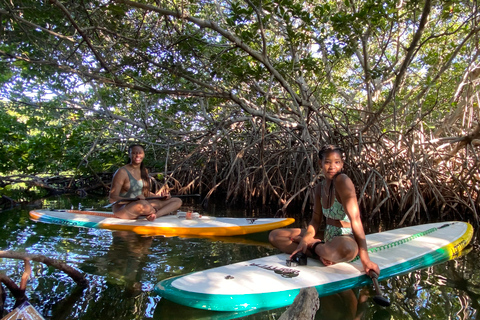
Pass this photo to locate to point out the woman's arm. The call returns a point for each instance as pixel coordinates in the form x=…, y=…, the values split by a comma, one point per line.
x=346, y=192
x=117, y=184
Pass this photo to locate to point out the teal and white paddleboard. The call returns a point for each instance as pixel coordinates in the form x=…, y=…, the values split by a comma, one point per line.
x=267, y=283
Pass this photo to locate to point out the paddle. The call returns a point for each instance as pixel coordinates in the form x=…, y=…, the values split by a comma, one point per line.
x=379, y=298
x=150, y=198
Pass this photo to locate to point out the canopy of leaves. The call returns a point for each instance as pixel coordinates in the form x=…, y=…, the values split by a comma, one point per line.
x=239, y=95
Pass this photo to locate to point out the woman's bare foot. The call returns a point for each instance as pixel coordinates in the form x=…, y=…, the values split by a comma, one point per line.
x=296, y=239
x=312, y=248
x=326, y=262
x=152, y=217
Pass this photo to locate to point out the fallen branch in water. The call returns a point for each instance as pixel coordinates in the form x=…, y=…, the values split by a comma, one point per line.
x=76, y=275
x=18, y=292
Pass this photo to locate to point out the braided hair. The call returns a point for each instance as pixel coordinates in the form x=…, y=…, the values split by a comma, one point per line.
x=327, y=149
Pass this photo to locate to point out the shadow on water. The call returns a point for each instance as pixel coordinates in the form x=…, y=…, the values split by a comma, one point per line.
x=123, y=268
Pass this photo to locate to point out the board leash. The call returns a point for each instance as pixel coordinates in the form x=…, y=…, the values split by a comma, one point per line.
x=402, y=241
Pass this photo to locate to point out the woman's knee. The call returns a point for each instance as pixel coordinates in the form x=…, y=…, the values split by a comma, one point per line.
x=177, y=201
x=347, y=250
x=348, y=253
x=142, y=207
x=282, y=234
x=125, y=213
x=273, y=235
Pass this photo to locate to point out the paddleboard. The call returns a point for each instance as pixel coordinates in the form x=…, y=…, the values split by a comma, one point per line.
x=267, y=282
x=170, y=225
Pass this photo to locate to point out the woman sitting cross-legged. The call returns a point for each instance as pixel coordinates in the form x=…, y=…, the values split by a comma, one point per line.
x=344, y=236
x=132, y=181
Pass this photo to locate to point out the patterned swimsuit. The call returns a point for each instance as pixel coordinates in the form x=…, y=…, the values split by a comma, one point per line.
x=336, y=212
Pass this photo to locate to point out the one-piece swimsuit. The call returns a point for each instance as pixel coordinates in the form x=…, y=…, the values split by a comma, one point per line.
x=136, y=187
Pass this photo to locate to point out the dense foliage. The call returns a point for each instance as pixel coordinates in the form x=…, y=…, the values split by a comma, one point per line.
x=237, y=96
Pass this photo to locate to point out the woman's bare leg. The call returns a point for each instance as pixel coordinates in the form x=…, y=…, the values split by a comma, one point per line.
x=164, y=207
x=133, y=210
x=286, y=239
x=339, y=249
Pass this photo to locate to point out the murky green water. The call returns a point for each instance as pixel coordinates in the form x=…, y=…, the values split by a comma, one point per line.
x=122, y=269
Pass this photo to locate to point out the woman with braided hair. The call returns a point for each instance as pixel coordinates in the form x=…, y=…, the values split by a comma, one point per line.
x=335, y=198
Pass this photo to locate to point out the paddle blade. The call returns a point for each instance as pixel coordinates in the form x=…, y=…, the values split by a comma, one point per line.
x=381, y=301
x=379, y=298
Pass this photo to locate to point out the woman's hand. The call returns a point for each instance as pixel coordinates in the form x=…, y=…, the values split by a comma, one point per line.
x=163, y=193
x=369, y=266
x=302, y=246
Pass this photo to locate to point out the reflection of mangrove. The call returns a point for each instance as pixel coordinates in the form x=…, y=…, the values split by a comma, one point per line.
x=63, y=308
x=345, y=305
x=304, y=306
x=124, y=260
x=452, y=284
x=118, y=284
x=7, y=203
x=18, y=292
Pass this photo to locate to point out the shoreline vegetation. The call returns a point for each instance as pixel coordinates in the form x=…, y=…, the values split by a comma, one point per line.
x=400, y=185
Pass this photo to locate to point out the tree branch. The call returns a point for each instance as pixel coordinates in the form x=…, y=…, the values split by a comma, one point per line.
x=233, y=38
x=77, y=276
x=84, y=36
x=36, y=26
x=403, y=68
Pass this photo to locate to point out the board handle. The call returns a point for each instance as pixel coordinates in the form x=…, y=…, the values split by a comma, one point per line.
x=379, y=298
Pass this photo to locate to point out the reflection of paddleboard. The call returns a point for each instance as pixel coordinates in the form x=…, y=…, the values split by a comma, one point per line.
x=166, y=309
x=167, y=225
x=268, y=283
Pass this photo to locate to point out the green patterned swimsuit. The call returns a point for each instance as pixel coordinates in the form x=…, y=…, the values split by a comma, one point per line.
x=335, y=212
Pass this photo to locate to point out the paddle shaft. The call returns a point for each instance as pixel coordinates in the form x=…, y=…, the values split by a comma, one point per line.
x=151, y=198
x=379, y=298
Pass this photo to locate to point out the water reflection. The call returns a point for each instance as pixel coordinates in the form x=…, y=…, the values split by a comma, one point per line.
x=350, y=304
x=345, y=305
x=123, y=262
x=167, y=310
x=123, y=267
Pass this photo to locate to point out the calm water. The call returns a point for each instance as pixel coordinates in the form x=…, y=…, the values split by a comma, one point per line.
x=122, y=269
